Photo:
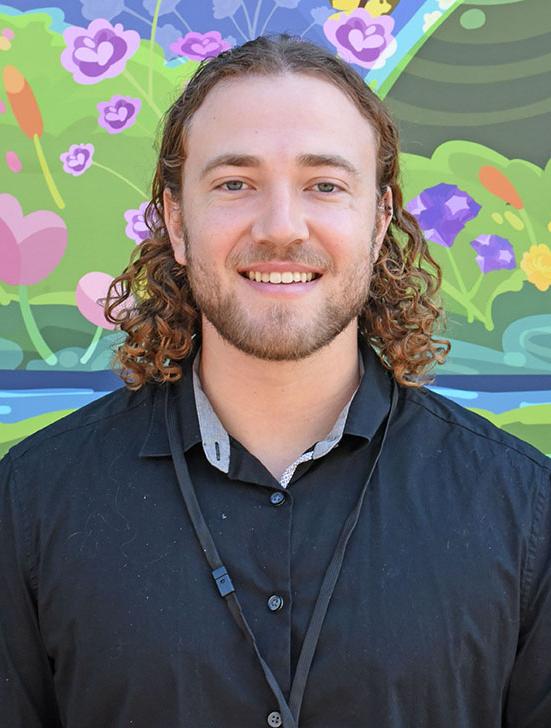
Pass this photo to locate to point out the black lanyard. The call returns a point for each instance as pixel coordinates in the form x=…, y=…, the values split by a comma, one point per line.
x=290, y=711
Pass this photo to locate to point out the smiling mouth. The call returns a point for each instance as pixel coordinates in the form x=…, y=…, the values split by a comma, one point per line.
x=287, y=277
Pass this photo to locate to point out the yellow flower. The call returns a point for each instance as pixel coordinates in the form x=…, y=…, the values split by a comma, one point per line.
x=536, y=263
x=374, y=7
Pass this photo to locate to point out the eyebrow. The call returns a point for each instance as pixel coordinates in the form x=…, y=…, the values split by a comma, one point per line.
x=303, y=160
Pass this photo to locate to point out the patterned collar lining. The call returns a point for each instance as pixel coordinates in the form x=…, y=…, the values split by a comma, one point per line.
x=216, y=441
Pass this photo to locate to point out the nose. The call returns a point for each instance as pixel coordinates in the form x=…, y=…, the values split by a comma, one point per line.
x=280, y=218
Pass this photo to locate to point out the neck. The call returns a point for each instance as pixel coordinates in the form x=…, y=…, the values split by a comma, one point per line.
x=278, y=409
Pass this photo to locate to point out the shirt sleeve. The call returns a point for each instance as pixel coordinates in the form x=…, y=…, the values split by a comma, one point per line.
x=529, y=698
x=27, y=697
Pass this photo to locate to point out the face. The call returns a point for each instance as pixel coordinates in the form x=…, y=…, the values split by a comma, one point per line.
x=279, y=185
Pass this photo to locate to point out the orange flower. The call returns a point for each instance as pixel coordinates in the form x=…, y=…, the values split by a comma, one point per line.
x=500, y=186
x=536, y=263
x=22, y=102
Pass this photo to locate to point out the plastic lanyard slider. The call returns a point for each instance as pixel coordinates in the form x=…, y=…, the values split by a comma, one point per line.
x=223, y=581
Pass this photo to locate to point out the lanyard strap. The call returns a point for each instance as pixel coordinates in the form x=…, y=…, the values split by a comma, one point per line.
x=290, y=711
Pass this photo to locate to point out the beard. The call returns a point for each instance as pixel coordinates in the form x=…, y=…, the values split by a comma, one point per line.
x=280, y=333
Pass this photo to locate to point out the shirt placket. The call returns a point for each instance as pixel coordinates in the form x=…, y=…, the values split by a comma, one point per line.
x=275, y=618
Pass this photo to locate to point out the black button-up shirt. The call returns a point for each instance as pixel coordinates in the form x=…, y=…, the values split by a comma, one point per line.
x=440, y=618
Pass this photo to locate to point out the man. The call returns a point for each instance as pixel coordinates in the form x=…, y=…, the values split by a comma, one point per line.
x=274, y=523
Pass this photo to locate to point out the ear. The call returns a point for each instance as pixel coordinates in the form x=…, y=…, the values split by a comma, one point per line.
x=383, y=219
x=174, y=226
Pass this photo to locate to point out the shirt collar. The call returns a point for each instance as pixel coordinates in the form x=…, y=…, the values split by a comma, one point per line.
x=371, y=402
x=156, y=442
x=216, y=441
x=361, y=416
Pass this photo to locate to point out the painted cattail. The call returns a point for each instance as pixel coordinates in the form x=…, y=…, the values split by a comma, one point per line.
x=23, y=102
x=501, y=186
x=27, y=114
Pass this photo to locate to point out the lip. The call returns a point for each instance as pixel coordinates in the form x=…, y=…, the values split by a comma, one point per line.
x=279, y=267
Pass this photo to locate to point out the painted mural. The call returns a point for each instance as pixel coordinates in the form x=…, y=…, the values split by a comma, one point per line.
x=83, y=87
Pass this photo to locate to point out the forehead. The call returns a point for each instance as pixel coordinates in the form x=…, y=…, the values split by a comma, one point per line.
x=279, y=117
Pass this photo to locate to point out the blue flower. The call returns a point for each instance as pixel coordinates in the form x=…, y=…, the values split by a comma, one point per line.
x=167, y=6
x=225, y=8
x=108, y=9
x=320, y=15
x=167, y=34
x=291, y=4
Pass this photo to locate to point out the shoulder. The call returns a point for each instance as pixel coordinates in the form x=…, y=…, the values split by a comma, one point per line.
x=458, y=432
x=113, y=410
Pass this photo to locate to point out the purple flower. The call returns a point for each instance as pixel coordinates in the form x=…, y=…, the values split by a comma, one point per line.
x=360, y=38
x=442, y=212
x=118, y=114
x=99, y=51
x=136, y=228
x=78, y=159
x=197, y=46
x=494, y=253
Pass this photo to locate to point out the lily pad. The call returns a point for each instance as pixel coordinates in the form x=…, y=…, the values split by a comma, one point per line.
x=70, y=357
x=11, y=354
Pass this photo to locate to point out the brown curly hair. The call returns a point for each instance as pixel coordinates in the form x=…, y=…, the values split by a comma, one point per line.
x=152, y=301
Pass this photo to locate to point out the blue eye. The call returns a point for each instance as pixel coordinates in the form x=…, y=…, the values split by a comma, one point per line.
x=327, y=184
x=232, y=182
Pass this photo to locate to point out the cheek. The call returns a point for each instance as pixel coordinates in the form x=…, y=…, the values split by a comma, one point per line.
x=210, y=242
x=343, y=232
x=218, y=234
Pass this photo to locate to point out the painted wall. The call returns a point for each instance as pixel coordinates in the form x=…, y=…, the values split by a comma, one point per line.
x=82, y=91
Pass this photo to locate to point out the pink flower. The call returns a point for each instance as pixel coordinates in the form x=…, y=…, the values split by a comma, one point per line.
x=99, y=51
x=360, y=38
x=78, y=159
x=197, y=46
x=118, y=114
x=31, y=246
x=91, y=292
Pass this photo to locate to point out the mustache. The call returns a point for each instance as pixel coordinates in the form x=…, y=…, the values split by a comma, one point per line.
x=271, y=254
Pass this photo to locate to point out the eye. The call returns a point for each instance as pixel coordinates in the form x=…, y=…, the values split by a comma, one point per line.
x=323, y=187
x=233, y=185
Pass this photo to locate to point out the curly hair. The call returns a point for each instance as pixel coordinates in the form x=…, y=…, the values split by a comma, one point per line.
x=152, y=301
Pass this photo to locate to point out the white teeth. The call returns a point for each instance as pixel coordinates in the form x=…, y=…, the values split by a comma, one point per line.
x=276, y=277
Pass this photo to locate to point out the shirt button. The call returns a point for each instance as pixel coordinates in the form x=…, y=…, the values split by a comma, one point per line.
x=275, y=602
x=277, y=498
x=274, y=719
